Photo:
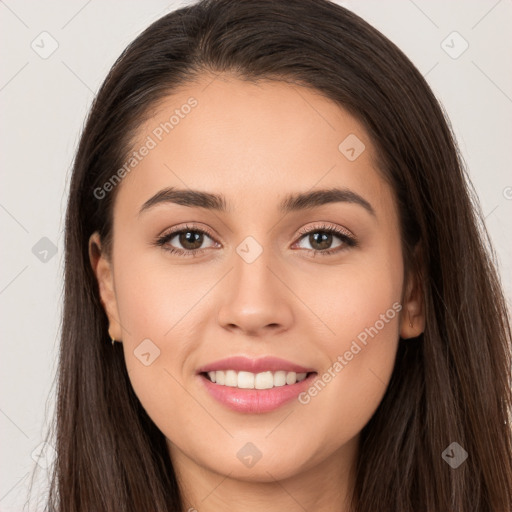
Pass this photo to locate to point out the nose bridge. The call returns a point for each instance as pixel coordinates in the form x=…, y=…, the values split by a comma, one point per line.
x=251, y=268
x=254, y=298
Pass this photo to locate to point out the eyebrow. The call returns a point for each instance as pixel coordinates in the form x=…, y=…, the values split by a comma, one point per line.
x=293, y=202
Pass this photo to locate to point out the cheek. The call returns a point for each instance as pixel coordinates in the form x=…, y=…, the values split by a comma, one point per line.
x=361, y=306
x=156, y=312
x=364, y=304
x=153, y=298
x=346, y=394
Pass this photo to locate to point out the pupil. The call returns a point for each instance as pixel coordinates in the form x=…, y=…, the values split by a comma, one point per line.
x=324, y=242
x=191, y=239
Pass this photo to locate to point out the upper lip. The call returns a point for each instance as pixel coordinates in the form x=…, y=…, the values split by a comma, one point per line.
x=262, y=364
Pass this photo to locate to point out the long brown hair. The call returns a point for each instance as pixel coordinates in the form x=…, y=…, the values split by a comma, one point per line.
x=451, y=384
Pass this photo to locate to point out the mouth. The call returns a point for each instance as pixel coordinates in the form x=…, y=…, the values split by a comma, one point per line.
x=259, y=381
x=248, y=385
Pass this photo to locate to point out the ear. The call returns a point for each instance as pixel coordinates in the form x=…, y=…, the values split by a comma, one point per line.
x=103, y=271
x=412, y=322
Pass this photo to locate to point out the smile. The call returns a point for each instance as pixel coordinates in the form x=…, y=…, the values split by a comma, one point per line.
x=249, y=380
x=248, y=385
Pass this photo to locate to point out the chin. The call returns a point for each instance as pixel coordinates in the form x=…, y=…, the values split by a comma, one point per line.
x=266, y=469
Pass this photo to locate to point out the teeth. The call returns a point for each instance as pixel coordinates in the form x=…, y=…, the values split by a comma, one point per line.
x=248, y=380
x=219, y=378
x=279, y=378
x=231, y=379
x=291, y=378
x=264, y=380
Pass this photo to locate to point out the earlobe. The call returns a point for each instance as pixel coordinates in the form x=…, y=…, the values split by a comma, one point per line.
x=103, y=271
x=412, y=322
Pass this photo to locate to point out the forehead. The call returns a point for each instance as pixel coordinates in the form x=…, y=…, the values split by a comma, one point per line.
x=225, y=135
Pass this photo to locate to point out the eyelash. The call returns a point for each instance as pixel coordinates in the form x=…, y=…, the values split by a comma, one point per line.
x=347, y=240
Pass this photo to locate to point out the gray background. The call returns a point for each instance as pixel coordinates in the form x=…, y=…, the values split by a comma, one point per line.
x=44, y=102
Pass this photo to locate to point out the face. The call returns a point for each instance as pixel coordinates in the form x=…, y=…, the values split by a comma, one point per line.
x=284, y=284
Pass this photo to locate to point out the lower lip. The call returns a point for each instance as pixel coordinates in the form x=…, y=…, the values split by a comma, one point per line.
x=256, y=400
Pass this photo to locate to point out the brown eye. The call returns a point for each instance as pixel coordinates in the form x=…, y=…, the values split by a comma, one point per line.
x=320, y=240
x=326, y=240
x=187, y=241
x=190, y=240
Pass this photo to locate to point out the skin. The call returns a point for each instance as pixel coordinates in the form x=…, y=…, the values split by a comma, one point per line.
x=255, y=144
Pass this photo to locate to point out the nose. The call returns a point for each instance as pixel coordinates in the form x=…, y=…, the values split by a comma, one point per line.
x=255, y=301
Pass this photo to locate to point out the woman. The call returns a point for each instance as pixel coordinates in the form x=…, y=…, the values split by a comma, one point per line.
x=277, y=293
